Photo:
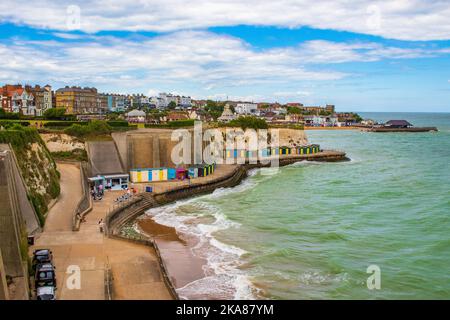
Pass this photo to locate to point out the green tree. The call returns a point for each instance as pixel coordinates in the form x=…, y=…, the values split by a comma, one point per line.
x=94, y=128
x=294, y=110
x=357, y=117
x=249, y=122
x=54, y=113
x=172, y=105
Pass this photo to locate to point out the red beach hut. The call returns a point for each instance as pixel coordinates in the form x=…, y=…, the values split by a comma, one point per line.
x=181, y=173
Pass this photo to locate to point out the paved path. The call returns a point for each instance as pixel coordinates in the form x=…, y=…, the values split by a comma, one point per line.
x=135, y=270
x=60, y=215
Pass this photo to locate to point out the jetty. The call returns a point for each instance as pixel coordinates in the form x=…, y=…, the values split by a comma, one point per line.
x=398, y=126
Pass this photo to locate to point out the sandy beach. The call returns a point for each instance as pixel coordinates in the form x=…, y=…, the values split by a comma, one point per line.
x=181, y=263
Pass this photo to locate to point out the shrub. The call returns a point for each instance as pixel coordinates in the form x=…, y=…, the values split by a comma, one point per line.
x=117, y=123
x=92, y=128
x=248, y=122
x=76, y=154
x=55, y=113
x=8, y=115
x=9, y=123
x=181, y=123
x=60, y=124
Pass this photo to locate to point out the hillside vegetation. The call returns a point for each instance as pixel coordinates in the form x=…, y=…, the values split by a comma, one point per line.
x=36, y=165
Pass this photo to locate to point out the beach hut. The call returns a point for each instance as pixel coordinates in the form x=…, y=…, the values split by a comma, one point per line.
x=163, y=174
x=133, y=175
x=193, y=173
x=181, y=173
x=149, y=175
x=201, y=171
x=171, y=173
x=284, y=150
x=139, y=176
x=155, y=175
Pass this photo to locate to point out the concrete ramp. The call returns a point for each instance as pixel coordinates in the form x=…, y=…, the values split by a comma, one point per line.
x=103, y=158
x=11, y=222
x=27, y=211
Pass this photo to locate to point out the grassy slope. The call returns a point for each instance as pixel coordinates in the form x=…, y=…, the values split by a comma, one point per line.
x=37, y=166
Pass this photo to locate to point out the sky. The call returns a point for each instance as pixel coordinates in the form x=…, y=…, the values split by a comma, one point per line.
x=360, y=55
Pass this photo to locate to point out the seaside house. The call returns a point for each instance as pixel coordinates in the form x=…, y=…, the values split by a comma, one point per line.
x=77, y=100
x=17, y=99
x=269, y=116
x=177, y=116
x=294, y=118
x=227, y=114
x=42, y=98
x=314, y=121
x=136, y=116
x=246, y=108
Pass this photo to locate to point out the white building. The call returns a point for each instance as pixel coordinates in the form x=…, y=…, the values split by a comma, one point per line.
x=158, y=102
x=246, y=108
x=167, y=98
x=314, y=121
x=185, y=102
x=120, y=103
x=280, y=111
x=47, y=100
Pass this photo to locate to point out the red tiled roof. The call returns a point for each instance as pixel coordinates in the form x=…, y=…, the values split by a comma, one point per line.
x=177, y=116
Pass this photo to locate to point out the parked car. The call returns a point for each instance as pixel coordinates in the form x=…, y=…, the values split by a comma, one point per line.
x=45, y=275
x=41, y=256
x=46, y=293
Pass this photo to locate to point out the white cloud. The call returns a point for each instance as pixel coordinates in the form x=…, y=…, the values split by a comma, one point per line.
x=401, y=19
x=191, y=62
x=292, y=94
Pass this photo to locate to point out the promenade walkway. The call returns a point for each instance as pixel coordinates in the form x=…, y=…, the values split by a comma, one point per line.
x=134, y=267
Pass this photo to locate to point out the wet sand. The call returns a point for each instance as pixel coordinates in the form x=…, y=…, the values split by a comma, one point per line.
x=182, y=265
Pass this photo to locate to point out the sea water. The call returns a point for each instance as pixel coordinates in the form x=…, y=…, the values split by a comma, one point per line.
x=311, y=230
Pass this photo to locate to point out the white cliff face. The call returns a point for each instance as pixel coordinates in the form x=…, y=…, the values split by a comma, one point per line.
x=61, y=142
x=292, y=137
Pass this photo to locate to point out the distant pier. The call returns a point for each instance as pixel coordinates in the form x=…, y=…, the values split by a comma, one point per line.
x=410, y=129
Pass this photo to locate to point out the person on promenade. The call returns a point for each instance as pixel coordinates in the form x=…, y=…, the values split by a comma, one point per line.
x=100, y=225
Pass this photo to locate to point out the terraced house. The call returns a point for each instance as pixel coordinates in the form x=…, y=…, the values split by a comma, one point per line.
x=77, y=100
x=42, y=98
x=16, y=99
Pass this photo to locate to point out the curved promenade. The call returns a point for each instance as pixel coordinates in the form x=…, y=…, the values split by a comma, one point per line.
x=133, y=268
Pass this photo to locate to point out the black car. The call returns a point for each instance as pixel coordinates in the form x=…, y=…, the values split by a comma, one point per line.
x=45, y=275
x=41, y=256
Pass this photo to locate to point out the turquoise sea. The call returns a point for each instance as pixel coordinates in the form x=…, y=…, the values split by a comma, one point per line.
x=310, y=230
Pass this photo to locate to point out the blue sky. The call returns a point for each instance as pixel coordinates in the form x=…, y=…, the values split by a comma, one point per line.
x=363, y=56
